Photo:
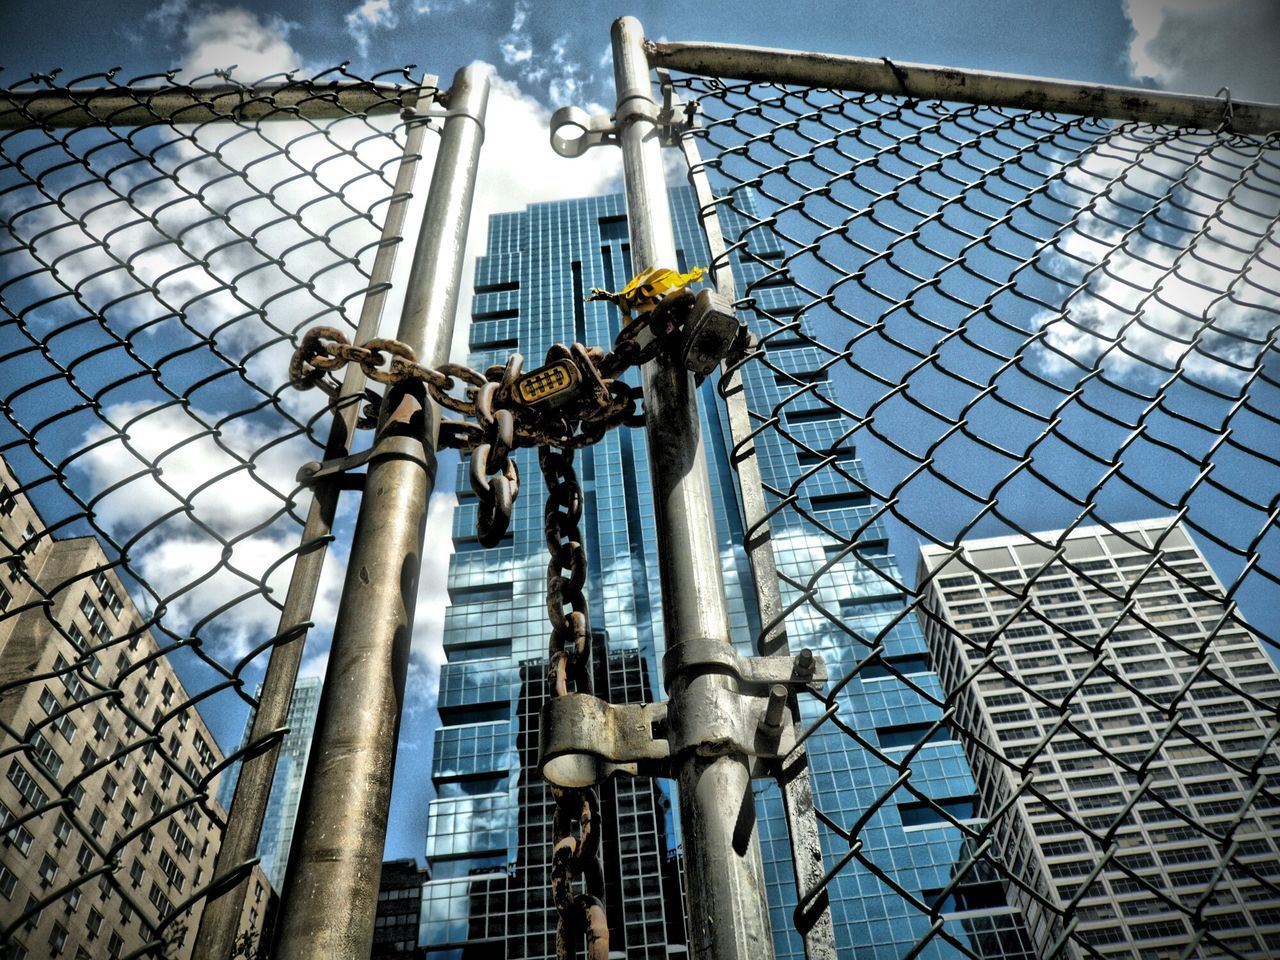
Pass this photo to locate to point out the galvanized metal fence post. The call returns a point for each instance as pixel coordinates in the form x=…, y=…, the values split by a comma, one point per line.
x=728, y=910
x=330, y=895
x=219, y=923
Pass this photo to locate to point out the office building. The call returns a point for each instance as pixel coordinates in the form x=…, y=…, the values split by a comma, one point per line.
x=70, y=638
x=395, y=930
x=286, y=787
x=1118, y=677
x=488, y=842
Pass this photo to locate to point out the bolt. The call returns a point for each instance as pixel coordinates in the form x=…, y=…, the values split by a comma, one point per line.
x=773, y=711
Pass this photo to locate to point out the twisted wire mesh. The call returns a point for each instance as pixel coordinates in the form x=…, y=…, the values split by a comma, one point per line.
x=154, y=279
x=1035, y=356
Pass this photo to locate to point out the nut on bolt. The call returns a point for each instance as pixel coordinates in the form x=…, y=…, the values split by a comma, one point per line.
x=804, y=664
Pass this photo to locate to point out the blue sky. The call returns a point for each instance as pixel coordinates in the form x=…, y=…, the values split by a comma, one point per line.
x=549, y=54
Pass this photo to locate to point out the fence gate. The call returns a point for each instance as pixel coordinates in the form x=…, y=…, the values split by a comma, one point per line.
x=1005, y=434
x=166, y=246
x=1015, y=335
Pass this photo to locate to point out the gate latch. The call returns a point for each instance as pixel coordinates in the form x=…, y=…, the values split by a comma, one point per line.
x=584, y=740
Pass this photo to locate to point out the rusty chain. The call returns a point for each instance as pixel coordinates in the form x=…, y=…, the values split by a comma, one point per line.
x=569, y=670
x=657, y=301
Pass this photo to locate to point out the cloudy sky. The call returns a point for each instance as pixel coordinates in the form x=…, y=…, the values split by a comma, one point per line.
x=549, y=54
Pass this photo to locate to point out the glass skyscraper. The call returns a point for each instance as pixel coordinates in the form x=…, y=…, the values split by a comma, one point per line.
x=490, y=824
x=286, y=787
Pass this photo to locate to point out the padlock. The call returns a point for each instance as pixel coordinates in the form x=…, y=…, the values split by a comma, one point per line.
x=549, y=386
x=709, y=332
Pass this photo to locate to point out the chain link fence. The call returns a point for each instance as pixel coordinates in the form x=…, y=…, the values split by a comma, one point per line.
x=165, y=245
x=1006, y=438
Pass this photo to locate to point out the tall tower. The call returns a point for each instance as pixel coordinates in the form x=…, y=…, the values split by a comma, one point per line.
x=489, y=826
x=1168, y=755
x=286, y=787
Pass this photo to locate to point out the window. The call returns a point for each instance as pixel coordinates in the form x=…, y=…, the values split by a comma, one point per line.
x=15, y=834
x=107, y=594
x=128, y=814
x=6, y=597
x=159, y=900
x=84, y=858
x=45, y=755
x=61, y=830
x=170, y=868
x=932, y=812
x=97, y=821
x=182, y=842
x=109, y=787
x=57, y=938
x=114, y=945
x=7, y=882
x=910, y=734
x=48, y=871
x=93, y=924
x=135, y=873
x=31, y=793
x=8, y=500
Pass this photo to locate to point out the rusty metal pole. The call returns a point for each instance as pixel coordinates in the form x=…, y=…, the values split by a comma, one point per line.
x=728, y=909
x=330, y=894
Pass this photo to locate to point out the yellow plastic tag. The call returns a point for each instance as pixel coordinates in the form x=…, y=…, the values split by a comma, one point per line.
x=647, y=287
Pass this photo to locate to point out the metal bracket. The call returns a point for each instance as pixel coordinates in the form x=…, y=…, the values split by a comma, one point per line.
x=804, y=670
x=400, y=447
x=583, y=740
x=574, y=131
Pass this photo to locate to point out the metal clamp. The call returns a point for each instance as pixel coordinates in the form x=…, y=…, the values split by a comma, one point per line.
x=574, y=131
x=804, y=670
x=583, y=740
x=398, y=446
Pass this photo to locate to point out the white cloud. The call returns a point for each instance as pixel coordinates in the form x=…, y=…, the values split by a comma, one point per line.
x=1185, y=287
x=168, y=14
x=551, y=71
x=1199, y=46
x=222, y=37
x=369, y=16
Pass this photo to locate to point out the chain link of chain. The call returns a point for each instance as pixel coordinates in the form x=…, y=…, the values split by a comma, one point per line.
x=574, y=857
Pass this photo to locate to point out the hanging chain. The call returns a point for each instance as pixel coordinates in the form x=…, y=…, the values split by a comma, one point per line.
x=573, y=857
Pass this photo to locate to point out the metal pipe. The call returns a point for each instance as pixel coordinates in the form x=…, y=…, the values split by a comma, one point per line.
x=728, y=909
x=330, y=894
x=925, y=82
x=97, y=106
x=219, y=923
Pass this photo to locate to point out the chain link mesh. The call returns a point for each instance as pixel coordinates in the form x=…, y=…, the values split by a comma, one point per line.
x=156, y=273
x=1033, y=356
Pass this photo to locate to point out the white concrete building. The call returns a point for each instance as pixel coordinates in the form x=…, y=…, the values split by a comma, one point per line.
x=1112, y=691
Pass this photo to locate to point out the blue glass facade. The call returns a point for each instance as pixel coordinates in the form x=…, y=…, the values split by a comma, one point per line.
x=286, y=787
x=529, y=292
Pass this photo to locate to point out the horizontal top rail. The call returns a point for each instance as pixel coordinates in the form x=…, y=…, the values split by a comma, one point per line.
x=925, y=82
x=122, y=106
